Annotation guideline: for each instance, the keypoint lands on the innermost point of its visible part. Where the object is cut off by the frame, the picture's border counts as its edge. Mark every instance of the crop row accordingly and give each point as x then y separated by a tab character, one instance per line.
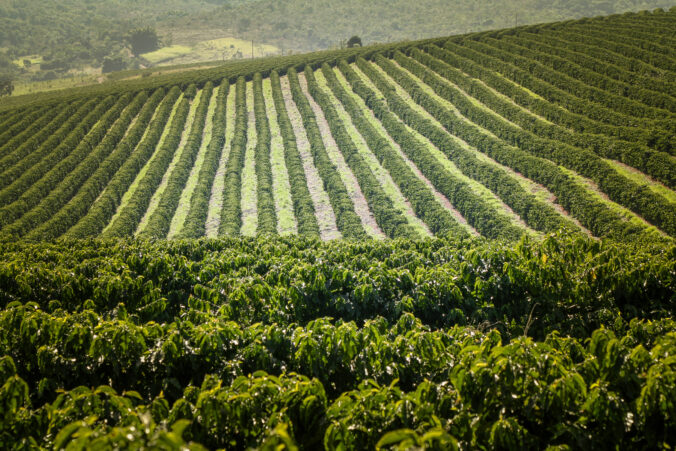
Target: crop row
231	214
485	218
36	183
347	220
26	126
654	208
616	52
103	209
649	133
578	115
125	150
536	214
594	47
300	194
195	222
584	133
26	144
580	84
160	219
390	220
649	51
423	202
605	75
40	145
69	183
267	215
130	215
9	119
58	149
594	215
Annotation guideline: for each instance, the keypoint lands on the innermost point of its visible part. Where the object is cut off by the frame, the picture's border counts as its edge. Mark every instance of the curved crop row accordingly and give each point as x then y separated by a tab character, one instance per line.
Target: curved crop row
303	207
10	118
160	220
69	183
25	126
27	145
584	133
654	208
536	214
125	150
484	218
648	89
267	214
195	223
577	86
612	51
41	145
347	220
390	220
647	50
99	215
651	34
593	215
36	183
578	115
61	147
129	217
231	214
546	55
489	58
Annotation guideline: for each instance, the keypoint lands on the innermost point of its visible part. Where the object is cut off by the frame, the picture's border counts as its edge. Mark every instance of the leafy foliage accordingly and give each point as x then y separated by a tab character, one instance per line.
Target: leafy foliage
227	343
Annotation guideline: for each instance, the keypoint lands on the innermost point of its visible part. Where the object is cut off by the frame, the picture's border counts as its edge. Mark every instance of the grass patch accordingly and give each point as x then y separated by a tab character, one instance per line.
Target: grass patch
184	203
155	200
594	192
286	219
167	53
249	182
642	179
132	188
216	200
221	49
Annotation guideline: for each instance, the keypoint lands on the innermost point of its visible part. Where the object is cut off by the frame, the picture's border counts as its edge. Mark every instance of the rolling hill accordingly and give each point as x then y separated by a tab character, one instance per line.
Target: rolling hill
528	130
454	243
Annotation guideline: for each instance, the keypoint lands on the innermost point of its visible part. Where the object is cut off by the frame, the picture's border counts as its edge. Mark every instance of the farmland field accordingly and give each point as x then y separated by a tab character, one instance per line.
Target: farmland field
463	242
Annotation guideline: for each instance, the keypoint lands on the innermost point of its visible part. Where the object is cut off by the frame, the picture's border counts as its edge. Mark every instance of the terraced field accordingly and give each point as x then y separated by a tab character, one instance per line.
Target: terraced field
526	131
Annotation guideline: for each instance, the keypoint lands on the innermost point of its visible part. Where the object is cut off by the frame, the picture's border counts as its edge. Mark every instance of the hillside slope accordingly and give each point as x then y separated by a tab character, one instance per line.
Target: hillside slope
540	315
503	133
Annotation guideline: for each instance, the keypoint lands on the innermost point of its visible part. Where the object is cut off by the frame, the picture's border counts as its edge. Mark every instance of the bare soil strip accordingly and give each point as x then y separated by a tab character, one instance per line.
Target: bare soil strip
249	180
132	189
286	218
216	199
184	203
538	190
165	179
326	218
354	190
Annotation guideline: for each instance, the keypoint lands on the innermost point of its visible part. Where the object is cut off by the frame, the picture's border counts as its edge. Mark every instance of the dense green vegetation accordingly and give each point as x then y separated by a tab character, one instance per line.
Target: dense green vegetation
506	277
237	343
46	40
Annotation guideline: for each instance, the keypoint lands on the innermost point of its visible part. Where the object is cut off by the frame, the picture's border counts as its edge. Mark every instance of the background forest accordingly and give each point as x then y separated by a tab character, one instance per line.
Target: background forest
47	39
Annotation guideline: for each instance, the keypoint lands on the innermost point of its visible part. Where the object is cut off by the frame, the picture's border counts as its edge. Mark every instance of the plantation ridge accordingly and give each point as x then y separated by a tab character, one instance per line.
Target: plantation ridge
463	242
